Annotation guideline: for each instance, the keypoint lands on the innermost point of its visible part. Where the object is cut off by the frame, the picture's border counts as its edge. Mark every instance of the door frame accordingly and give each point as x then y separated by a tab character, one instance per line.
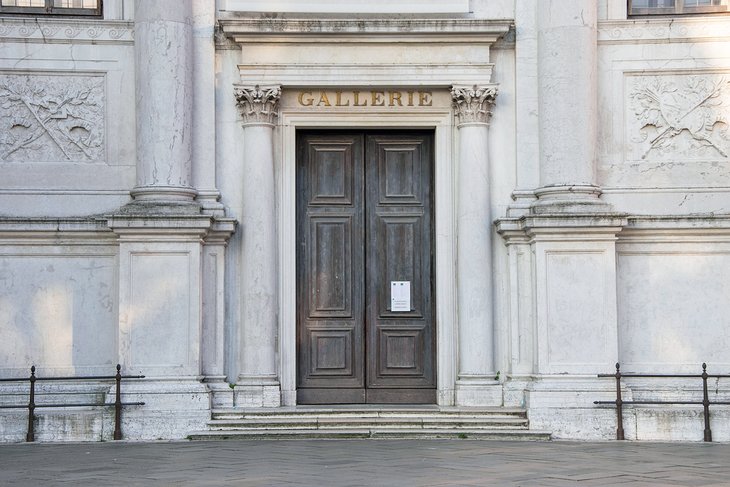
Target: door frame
440	119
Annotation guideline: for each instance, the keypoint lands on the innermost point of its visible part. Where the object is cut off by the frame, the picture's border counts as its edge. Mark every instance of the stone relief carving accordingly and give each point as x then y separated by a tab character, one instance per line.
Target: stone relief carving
258	104
473	104
51	118
679	117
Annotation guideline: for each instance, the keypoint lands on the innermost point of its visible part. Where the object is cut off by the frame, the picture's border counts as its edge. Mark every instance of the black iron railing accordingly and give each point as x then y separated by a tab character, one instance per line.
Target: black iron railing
32	406
620	403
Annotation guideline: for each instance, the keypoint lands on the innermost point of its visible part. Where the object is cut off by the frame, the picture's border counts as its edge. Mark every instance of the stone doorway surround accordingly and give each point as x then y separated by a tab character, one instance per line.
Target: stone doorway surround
448	58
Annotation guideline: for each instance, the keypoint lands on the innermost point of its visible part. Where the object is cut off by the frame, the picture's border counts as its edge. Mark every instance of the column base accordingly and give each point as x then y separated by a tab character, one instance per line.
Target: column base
160	208
579	198
478	392
209	202
523	202
221	392
163	193
257	392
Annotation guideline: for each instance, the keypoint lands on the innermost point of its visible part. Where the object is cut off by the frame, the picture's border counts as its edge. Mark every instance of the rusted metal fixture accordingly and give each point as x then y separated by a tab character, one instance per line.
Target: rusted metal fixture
32	406
619	402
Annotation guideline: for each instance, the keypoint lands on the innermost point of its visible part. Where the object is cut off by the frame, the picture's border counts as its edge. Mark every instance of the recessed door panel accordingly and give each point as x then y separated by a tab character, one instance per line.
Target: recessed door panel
364	220
398	202
330	254
330	259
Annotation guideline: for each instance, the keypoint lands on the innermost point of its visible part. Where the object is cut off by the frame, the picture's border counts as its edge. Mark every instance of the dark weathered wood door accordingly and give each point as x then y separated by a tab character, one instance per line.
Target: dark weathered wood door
364	220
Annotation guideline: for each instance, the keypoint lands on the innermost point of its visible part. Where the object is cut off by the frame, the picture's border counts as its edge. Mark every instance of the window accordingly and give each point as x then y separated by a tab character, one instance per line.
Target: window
672	7
51	7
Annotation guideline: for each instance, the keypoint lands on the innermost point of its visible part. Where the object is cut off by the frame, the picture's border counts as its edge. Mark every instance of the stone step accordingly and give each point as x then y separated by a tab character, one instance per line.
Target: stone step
370	422
234	414
371	410
248	434
340	422
357	418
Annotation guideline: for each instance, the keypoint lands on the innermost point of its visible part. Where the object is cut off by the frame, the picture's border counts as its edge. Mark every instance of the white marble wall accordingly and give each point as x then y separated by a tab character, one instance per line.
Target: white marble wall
58	308
672	300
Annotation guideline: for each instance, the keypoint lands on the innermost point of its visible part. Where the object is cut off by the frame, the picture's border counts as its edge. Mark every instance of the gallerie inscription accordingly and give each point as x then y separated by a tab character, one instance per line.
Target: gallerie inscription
360	98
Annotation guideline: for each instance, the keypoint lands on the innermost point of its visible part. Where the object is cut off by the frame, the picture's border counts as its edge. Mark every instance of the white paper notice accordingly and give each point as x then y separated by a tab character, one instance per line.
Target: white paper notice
400	295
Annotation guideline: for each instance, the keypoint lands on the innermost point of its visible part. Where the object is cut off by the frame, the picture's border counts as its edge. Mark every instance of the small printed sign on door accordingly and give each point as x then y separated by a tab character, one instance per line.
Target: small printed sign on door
400	295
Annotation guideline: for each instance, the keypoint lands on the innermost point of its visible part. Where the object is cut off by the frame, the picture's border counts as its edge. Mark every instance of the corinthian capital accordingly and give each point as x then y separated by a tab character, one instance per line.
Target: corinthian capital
473	104
258	105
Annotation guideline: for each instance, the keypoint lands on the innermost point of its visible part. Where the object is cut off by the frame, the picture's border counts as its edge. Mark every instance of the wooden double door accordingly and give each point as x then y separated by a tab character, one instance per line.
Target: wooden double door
364	226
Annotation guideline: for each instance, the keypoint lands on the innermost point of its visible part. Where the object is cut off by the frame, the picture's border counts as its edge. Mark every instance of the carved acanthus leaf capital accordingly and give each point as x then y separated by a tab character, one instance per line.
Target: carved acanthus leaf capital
258	105
473	104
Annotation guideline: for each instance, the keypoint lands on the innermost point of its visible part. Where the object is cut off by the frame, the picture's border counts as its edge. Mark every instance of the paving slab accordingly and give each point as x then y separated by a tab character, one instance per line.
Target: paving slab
403	463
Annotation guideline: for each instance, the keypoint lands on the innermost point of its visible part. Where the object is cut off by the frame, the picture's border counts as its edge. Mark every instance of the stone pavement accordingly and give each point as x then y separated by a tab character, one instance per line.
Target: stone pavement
366	462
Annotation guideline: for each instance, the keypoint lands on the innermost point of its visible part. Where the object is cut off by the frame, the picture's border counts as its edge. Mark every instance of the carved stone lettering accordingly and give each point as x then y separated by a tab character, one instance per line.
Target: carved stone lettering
51	118
679	117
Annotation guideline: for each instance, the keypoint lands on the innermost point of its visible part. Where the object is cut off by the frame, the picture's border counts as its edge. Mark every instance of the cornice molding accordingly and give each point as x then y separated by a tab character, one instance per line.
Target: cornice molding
487	30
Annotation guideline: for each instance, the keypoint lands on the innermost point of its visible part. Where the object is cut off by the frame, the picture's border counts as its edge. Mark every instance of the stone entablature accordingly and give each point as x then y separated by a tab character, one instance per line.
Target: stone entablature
356	52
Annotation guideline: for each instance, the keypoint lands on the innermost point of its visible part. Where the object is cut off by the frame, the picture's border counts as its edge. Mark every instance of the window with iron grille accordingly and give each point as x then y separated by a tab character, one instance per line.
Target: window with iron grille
51	7
677	7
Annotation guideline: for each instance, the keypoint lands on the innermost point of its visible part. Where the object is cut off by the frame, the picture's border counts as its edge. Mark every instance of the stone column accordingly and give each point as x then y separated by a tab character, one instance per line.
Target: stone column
475	385
164	94
567	77
204	161
258	383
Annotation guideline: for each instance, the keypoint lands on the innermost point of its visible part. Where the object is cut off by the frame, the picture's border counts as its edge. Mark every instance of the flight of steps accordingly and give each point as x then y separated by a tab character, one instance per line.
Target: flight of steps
370	422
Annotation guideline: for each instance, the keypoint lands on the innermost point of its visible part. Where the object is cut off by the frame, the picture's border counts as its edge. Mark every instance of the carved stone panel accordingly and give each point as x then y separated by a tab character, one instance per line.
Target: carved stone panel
678	117
52	118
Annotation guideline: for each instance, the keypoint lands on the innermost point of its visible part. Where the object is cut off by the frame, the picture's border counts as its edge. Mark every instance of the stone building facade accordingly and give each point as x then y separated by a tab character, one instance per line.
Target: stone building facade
224	196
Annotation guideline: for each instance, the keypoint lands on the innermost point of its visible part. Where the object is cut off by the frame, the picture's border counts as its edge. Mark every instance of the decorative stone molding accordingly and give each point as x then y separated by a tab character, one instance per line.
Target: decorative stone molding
473	104
238	27
66	30
663	30
52	118
258	105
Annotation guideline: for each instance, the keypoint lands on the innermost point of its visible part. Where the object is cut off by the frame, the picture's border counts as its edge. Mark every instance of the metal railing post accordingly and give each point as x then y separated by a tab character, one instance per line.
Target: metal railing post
118	405
31	406
619	405
706	403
